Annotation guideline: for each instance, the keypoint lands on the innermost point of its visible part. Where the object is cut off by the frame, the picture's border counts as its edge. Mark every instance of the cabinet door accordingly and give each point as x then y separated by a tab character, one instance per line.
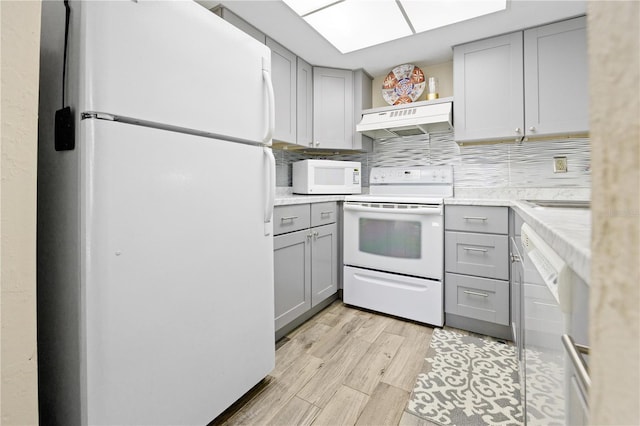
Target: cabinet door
324	262
292	276
488	87
362	85
556	81
305	104
333	125
283	74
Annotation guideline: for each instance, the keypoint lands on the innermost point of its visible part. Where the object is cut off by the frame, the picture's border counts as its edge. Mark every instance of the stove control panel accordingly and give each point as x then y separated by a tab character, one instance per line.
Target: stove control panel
411	175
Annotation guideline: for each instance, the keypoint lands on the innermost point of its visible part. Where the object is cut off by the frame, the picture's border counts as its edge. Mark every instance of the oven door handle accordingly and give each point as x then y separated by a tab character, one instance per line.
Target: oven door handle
426	210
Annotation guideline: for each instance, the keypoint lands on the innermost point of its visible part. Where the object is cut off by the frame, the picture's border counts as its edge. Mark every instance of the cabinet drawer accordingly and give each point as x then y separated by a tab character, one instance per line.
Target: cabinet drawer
492	220
479	298
323	213
484	255
291	218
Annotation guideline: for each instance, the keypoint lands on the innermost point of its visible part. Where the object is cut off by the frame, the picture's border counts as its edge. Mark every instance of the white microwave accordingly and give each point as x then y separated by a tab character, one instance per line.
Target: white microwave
326	177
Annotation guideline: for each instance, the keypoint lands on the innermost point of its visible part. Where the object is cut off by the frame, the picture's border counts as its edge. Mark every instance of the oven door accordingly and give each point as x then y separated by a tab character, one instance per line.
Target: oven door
395	237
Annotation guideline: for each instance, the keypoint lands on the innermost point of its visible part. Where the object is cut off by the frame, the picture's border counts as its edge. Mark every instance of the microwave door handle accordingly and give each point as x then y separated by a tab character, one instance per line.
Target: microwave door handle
426	210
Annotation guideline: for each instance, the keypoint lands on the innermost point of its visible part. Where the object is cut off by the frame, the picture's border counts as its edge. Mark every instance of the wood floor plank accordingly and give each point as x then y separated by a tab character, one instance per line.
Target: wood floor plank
342	333
291	351
278	393
409	419
321	387
397	326
372	328
368	372
385	406
409	359
295	412
343	408
330	318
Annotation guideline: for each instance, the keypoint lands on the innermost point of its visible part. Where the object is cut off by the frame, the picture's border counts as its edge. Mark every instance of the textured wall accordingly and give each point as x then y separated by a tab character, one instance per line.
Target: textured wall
20	30
614	68
496	166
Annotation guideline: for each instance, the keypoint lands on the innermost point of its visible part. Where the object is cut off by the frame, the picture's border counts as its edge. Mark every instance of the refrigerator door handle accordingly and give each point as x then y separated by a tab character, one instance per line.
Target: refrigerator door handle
271	105
270	190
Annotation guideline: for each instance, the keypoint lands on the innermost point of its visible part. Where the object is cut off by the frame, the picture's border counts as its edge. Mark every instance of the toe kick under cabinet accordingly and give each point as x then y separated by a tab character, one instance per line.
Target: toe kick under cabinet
305	248
477	269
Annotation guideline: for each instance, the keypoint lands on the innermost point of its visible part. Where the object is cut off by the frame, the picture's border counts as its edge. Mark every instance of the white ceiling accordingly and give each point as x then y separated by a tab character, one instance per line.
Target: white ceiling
275	19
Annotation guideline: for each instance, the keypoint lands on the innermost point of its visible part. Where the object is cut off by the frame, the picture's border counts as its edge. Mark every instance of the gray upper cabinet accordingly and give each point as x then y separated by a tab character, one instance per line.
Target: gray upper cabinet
284	71
488	79
531	83
362	85
238	22
556	80
333	113
305	104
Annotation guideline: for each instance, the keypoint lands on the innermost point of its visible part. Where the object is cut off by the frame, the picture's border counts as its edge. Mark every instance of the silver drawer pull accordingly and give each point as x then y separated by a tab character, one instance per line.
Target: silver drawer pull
474	293
575	353
284	219
475	249
474	218
325	213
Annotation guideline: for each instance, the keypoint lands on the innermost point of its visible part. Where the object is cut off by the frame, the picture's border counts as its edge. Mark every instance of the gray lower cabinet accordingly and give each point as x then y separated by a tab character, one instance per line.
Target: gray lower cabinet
477	293
292	276
305	261
324	259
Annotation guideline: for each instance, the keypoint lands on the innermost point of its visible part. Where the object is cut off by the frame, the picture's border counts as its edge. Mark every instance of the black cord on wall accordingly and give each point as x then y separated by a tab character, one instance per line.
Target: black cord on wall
64	137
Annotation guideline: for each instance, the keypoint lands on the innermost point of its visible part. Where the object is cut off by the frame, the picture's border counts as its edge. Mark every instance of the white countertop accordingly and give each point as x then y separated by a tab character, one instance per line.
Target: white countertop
566	230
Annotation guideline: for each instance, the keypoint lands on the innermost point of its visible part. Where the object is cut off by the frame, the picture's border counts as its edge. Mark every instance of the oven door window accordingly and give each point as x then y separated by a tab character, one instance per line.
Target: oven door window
390	238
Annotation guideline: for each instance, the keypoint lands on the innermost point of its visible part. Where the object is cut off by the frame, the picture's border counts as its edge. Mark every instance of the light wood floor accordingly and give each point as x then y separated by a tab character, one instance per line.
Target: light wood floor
343	367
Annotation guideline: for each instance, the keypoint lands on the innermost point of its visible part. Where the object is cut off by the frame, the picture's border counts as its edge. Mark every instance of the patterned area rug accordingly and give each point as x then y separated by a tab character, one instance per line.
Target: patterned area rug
468	381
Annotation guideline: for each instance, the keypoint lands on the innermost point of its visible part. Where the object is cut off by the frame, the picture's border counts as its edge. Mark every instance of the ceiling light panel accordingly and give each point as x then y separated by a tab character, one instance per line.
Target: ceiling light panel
429	14
302	7
355	24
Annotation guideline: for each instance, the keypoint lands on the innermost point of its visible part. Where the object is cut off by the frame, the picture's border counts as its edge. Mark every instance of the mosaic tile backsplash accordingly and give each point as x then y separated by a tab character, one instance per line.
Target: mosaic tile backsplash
505	165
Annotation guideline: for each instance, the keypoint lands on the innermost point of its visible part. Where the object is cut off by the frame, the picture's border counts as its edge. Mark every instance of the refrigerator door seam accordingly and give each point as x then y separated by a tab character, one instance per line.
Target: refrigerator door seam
94	115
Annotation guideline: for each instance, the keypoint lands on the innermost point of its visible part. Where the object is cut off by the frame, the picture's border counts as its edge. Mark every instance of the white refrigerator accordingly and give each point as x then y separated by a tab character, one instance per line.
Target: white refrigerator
155	255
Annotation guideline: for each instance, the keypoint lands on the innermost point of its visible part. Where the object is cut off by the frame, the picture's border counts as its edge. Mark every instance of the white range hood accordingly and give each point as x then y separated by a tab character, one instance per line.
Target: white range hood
416	118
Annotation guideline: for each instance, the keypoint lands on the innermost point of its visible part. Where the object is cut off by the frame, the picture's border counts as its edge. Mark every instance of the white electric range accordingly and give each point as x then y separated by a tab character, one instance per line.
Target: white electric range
394	243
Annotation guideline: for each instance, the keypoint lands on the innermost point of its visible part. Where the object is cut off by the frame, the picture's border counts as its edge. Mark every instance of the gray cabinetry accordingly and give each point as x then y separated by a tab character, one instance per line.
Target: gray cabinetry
528	83
306	261
362	85
339	97
292	273
324	263
487	79
284	71
556	82
477	269
333	113
304	104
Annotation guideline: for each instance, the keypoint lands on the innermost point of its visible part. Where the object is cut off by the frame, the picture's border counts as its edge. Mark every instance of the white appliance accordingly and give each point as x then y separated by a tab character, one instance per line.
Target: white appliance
417	118
326	177
394	243
155	264
551	308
